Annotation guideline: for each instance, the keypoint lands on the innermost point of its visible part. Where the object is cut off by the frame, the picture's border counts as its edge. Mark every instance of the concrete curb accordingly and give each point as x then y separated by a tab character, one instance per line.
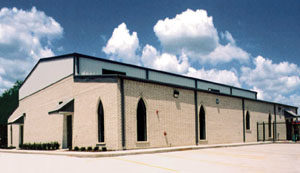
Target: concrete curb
134	152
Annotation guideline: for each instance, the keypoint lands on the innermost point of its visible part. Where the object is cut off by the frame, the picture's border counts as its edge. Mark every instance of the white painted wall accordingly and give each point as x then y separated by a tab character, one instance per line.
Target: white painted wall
45	74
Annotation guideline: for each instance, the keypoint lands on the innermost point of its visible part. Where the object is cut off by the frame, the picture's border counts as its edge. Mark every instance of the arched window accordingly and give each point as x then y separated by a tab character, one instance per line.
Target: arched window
100	122
247	121
141	121
202	123
269	125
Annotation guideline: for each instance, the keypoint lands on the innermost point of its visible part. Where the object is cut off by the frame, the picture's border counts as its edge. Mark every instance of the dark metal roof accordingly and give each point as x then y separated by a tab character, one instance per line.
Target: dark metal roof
19	119
65	106
291	114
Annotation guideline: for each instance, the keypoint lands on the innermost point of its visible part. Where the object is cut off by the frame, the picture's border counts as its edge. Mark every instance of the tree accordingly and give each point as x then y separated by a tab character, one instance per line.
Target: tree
9	101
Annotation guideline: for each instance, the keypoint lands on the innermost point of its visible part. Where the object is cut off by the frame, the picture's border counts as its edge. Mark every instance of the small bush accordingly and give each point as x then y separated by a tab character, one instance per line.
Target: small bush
96	148
82	148
40	146
76	148
90	148
44	146
104	149
55	145
49	146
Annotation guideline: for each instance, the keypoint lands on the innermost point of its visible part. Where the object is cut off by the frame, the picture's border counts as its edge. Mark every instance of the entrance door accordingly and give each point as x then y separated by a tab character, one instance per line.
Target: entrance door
69	131
288	129
21	134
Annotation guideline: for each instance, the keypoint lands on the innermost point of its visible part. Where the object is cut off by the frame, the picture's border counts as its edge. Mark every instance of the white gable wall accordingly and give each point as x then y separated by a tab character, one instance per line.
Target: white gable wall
45	74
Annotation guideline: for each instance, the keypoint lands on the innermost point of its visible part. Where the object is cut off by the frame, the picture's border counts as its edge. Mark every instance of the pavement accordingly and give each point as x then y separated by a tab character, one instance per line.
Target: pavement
274	157
128	152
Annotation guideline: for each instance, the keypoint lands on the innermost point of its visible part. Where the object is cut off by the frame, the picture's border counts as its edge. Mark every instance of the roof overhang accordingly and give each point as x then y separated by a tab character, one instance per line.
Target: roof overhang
290	114
66	107
19	119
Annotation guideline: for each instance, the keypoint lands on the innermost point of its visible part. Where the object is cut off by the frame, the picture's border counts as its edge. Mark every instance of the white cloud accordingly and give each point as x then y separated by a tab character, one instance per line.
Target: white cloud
279	78
193	33
122	45
167	62
226	54
190	31
227	36
228	77
277	82
22	32
25	36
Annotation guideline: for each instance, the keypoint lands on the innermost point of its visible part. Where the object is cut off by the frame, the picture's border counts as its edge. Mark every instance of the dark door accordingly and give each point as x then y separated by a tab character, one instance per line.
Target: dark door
288	130
21	134
69	131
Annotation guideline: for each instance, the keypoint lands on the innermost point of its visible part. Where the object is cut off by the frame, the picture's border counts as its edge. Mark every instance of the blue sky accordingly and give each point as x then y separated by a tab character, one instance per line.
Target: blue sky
250	44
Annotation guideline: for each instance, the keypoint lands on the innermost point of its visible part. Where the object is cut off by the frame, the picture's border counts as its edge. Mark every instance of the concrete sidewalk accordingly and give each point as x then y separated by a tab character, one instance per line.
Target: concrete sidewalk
130	152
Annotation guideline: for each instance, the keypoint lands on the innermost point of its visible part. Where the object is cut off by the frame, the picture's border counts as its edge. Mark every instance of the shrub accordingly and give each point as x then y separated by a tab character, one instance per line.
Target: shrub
11	147
44	146
82	148
76	148
90	148
104	149
40	146
56	145
96	148
49	146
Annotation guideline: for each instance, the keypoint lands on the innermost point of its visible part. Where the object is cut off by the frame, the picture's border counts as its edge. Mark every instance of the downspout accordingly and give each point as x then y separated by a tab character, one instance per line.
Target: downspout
243	106
196	113
275	124
122	113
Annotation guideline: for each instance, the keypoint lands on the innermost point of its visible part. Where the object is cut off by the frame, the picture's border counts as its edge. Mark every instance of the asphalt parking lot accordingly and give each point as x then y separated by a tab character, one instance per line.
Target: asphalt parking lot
254	158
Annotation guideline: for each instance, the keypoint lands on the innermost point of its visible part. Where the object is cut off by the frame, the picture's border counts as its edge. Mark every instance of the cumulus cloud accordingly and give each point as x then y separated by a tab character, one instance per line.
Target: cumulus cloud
227	36
25	36
194	34
122	45
226	54
228	77
189	31
271	80
165	61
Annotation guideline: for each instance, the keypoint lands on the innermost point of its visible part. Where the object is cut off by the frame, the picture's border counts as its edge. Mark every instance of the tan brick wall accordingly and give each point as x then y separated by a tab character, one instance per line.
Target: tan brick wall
176	116
87	96
39	126
259	112
15	140
224	121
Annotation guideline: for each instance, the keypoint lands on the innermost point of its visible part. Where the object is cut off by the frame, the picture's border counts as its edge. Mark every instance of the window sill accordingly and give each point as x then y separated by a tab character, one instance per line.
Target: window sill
142	144
248	131
100	144
203	141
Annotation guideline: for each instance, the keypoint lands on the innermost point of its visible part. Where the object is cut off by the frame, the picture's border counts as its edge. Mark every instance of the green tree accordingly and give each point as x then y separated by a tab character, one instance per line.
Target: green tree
9	101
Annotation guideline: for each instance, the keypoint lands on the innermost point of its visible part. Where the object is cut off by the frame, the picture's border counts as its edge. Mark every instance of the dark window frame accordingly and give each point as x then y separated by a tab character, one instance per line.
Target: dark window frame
100	122
141	119
202	123
269	125
247	120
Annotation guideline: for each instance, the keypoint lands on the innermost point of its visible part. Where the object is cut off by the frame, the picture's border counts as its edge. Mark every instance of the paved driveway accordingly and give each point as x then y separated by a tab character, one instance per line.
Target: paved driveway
255	158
